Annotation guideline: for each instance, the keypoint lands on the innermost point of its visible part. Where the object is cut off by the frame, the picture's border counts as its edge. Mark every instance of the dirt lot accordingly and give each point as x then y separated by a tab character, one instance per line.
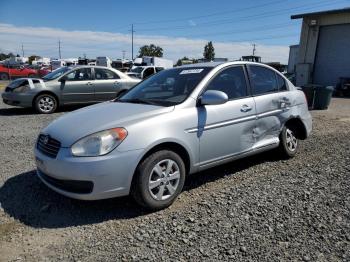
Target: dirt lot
3	84
260	208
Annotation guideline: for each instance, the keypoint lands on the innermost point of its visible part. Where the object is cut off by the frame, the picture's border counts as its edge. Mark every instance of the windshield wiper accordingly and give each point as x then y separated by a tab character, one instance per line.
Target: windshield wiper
137	101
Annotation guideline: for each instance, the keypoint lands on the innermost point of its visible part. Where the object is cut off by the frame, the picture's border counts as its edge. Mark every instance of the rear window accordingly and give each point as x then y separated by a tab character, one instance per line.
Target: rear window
17	83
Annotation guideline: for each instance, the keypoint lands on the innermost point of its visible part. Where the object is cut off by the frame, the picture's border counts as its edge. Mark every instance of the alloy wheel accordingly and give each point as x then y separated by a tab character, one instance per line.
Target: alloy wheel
291	140
46	104
164	179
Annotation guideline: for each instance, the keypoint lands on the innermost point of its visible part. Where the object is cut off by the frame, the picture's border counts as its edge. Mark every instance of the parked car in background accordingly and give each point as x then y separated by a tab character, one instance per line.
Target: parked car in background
68	85
143	72
174	123
41	70
15	71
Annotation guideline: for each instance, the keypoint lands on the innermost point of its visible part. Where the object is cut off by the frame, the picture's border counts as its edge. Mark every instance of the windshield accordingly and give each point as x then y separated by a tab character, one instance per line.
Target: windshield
166	88
56	73
137	69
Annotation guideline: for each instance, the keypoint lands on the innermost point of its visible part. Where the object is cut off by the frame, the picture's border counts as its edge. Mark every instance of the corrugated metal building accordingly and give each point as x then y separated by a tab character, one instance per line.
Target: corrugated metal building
324	48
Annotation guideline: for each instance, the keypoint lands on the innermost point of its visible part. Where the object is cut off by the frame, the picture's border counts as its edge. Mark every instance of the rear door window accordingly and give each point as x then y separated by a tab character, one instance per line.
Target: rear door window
281	82
263	80
105	74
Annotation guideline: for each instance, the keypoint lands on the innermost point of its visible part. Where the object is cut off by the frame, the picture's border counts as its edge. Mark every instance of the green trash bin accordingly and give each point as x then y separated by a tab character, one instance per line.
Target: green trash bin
310	93
323	97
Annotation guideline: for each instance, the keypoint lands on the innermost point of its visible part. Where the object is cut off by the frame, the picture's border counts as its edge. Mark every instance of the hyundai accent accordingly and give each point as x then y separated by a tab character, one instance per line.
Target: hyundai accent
175	123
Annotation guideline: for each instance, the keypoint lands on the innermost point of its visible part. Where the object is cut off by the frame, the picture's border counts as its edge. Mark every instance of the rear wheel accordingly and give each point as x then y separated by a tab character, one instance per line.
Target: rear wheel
159	180
289	143
4	76
45	104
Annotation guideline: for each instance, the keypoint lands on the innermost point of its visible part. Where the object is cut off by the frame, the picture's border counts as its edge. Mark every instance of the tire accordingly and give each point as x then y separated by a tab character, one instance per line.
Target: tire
4	76
45	104
289	144
154	187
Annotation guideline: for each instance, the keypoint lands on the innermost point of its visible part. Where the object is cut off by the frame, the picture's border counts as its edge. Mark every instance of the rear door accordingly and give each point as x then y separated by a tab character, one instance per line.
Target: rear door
227	129
272	103
78	87
107	84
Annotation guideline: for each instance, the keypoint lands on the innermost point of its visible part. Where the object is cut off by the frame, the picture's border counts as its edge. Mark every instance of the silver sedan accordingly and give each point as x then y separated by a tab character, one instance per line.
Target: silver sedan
67	86
177	122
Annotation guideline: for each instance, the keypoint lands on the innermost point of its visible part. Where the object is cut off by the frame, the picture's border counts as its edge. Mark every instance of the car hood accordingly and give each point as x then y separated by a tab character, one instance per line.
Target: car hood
80	123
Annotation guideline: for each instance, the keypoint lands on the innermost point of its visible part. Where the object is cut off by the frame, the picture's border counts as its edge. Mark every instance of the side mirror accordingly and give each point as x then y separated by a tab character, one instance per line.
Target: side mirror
213	97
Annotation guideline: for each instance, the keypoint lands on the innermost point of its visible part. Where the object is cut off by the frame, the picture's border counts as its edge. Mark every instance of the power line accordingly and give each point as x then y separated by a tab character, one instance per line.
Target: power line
243	18
254	29
211	14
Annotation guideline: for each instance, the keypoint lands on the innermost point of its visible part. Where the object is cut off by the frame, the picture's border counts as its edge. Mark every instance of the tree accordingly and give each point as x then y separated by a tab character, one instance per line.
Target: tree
151	50
4	56
209	51
179	62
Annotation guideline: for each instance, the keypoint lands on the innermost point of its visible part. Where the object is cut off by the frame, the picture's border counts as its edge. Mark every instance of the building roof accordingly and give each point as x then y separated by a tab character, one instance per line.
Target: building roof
327	12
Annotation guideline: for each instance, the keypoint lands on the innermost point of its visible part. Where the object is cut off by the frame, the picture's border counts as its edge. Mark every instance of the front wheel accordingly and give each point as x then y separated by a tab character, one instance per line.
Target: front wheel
159	179
45	104
289	143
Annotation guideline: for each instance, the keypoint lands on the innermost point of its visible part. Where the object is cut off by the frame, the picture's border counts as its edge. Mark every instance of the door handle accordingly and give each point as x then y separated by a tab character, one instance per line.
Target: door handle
89	84
245	108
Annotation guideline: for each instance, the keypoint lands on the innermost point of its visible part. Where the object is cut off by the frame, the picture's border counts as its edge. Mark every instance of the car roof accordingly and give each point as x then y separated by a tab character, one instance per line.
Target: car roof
215	64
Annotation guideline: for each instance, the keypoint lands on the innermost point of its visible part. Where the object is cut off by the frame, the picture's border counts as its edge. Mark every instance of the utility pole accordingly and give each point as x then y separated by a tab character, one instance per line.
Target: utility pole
132	41
123	54
59	48
22	50
254	49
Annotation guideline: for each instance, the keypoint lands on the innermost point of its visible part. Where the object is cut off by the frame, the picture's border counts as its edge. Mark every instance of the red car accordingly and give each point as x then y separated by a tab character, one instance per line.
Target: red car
7	72
43	71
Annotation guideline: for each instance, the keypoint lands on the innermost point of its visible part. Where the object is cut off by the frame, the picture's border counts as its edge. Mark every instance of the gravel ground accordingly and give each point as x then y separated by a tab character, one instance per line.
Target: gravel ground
260	208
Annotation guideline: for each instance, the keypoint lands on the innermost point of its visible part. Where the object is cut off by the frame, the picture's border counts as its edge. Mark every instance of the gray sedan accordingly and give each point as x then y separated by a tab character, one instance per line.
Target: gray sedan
176	122
67	85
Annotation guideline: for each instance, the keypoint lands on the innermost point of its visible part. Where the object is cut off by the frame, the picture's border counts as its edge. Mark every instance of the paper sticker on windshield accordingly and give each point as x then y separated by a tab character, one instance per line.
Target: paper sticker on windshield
191	71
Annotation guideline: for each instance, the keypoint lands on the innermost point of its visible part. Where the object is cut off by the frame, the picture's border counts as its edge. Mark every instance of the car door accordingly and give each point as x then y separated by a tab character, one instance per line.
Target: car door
148	72
272	103
226	130
77	86
107	84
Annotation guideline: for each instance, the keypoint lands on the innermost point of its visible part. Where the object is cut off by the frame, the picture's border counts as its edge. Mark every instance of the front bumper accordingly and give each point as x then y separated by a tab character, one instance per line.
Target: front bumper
110	175
18	99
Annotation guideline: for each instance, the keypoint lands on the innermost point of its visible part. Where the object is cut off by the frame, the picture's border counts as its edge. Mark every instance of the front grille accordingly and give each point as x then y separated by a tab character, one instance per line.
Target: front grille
48	146
72	186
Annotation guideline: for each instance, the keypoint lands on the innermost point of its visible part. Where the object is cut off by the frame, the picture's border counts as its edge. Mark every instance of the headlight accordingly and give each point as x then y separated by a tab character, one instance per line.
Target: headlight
100	143
21	89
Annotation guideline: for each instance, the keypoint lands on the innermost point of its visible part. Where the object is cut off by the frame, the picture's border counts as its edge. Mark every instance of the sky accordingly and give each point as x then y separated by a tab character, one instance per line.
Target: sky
181	27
